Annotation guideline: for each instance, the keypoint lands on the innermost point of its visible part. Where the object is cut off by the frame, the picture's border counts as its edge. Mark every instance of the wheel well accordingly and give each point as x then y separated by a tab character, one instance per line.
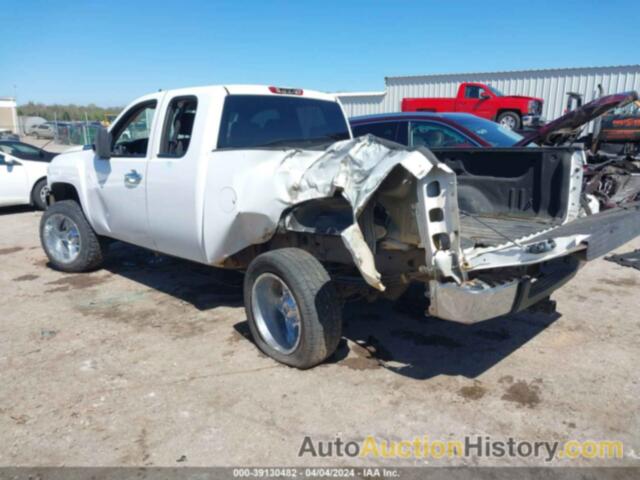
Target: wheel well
36	183
510	110
64	191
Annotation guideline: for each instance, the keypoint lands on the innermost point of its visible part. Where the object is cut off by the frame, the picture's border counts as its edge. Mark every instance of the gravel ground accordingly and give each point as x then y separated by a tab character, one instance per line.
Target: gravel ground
148	362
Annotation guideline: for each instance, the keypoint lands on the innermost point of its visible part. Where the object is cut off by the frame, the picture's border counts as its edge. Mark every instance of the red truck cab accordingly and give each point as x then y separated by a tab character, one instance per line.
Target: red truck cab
511	111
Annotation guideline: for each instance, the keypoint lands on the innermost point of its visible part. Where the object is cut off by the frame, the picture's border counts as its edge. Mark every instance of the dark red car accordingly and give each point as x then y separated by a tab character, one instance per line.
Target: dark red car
435	130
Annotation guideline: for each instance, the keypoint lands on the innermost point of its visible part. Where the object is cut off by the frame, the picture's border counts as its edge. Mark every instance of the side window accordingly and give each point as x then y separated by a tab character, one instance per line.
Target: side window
435	135
25	149
472	91
131	134
178	126
387	130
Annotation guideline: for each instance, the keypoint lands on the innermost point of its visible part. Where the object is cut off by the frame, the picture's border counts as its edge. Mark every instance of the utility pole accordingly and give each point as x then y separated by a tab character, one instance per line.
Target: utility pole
86	126
55	123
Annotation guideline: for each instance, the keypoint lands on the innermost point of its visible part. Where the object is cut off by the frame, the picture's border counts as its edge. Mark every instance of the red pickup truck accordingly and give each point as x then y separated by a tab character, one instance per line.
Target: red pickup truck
511	111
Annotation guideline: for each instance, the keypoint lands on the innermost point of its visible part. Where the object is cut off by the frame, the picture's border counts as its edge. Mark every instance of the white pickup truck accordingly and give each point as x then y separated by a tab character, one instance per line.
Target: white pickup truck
270	181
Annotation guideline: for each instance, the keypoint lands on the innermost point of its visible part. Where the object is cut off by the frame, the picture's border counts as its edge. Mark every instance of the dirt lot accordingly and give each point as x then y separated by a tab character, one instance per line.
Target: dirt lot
147	362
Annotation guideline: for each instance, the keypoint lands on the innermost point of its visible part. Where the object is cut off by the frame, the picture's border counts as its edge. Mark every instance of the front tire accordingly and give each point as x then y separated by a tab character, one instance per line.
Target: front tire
510	120
68	239
39	194
294	311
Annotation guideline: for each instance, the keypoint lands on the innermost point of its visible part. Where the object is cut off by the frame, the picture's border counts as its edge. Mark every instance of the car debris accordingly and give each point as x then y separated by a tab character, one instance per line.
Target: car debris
269	180
630	259
47	333
612	169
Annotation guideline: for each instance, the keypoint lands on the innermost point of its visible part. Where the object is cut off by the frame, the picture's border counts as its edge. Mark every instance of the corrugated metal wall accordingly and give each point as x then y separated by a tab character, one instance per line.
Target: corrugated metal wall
550	85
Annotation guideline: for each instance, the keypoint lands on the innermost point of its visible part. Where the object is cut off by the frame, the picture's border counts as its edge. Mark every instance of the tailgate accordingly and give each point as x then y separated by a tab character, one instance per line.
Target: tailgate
604	231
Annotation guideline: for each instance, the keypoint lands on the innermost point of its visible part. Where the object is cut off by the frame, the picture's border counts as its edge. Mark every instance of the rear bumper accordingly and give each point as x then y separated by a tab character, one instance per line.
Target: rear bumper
490	295
479	300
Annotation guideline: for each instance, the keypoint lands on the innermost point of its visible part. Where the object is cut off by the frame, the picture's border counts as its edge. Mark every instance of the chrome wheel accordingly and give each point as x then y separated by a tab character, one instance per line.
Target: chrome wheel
62	238
276	313
44	194
508	121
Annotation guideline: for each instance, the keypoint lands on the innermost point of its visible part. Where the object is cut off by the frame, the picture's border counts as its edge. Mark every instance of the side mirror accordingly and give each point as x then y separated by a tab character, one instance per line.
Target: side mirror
485	96
102	143
9	162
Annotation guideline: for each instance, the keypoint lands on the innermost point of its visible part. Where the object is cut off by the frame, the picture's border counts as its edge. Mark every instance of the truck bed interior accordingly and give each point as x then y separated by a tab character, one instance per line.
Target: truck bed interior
509	193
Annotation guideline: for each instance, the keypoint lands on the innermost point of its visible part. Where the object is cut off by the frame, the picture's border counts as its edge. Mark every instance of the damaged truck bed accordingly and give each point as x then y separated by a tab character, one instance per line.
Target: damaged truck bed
271	182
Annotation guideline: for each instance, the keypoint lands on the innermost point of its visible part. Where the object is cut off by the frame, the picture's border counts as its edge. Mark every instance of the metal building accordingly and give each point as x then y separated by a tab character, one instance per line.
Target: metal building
551	85
8	115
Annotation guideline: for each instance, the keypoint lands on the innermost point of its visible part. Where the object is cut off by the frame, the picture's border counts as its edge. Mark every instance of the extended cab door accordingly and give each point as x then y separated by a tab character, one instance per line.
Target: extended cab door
476	99
177	173
14	181
121	180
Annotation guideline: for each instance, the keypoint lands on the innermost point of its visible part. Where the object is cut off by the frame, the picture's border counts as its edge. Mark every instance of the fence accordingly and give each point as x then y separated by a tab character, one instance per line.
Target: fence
75	133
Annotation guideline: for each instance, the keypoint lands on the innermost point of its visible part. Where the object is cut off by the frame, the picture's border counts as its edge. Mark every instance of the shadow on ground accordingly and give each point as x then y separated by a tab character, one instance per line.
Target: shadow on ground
18	209
380	336
202	286
423	347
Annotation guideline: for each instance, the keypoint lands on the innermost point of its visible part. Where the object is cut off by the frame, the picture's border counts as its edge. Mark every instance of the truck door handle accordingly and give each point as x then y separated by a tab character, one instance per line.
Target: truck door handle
132	179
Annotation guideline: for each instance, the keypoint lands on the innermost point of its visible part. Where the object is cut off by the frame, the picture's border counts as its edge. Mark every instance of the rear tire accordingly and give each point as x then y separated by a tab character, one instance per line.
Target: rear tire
510	120
294	312
39	194
68	240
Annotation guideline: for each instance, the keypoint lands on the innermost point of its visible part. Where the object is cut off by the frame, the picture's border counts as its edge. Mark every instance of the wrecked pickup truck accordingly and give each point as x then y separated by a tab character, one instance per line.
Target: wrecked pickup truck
270	181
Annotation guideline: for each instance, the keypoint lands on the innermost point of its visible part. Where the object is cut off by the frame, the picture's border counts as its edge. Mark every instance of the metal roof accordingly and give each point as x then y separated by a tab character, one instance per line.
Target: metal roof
543	71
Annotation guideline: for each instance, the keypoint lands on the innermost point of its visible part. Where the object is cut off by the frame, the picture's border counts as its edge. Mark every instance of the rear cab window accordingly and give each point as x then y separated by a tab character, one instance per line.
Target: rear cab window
254	121
178	126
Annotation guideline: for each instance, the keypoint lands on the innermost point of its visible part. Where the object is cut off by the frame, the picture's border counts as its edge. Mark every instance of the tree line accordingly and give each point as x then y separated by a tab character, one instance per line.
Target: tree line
67	112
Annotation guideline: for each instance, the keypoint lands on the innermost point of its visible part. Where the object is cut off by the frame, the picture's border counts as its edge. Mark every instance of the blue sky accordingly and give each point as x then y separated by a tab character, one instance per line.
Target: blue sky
108	52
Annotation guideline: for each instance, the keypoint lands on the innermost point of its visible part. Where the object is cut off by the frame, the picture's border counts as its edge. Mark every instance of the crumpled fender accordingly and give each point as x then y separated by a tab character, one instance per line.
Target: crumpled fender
353	169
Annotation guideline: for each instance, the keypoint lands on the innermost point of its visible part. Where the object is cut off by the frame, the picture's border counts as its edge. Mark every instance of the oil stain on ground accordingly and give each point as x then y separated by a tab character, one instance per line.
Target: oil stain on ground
523	394
78	281
25	278
472	392
7	251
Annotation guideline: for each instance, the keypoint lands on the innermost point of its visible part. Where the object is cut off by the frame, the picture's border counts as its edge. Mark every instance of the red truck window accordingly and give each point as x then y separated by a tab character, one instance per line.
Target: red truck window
472	91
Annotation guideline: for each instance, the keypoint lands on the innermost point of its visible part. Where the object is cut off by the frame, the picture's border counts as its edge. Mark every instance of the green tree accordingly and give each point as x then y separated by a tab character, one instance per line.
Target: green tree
69	112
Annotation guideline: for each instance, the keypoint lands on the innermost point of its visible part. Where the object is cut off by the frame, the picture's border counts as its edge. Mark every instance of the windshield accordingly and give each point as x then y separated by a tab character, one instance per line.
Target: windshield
491	132
495	91
251	121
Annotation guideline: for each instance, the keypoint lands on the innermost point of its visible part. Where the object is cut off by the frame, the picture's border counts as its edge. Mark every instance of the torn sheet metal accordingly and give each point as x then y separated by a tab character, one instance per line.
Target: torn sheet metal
275	180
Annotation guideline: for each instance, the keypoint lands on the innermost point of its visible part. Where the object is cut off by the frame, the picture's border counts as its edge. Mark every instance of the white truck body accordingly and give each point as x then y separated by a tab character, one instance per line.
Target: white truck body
219	204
